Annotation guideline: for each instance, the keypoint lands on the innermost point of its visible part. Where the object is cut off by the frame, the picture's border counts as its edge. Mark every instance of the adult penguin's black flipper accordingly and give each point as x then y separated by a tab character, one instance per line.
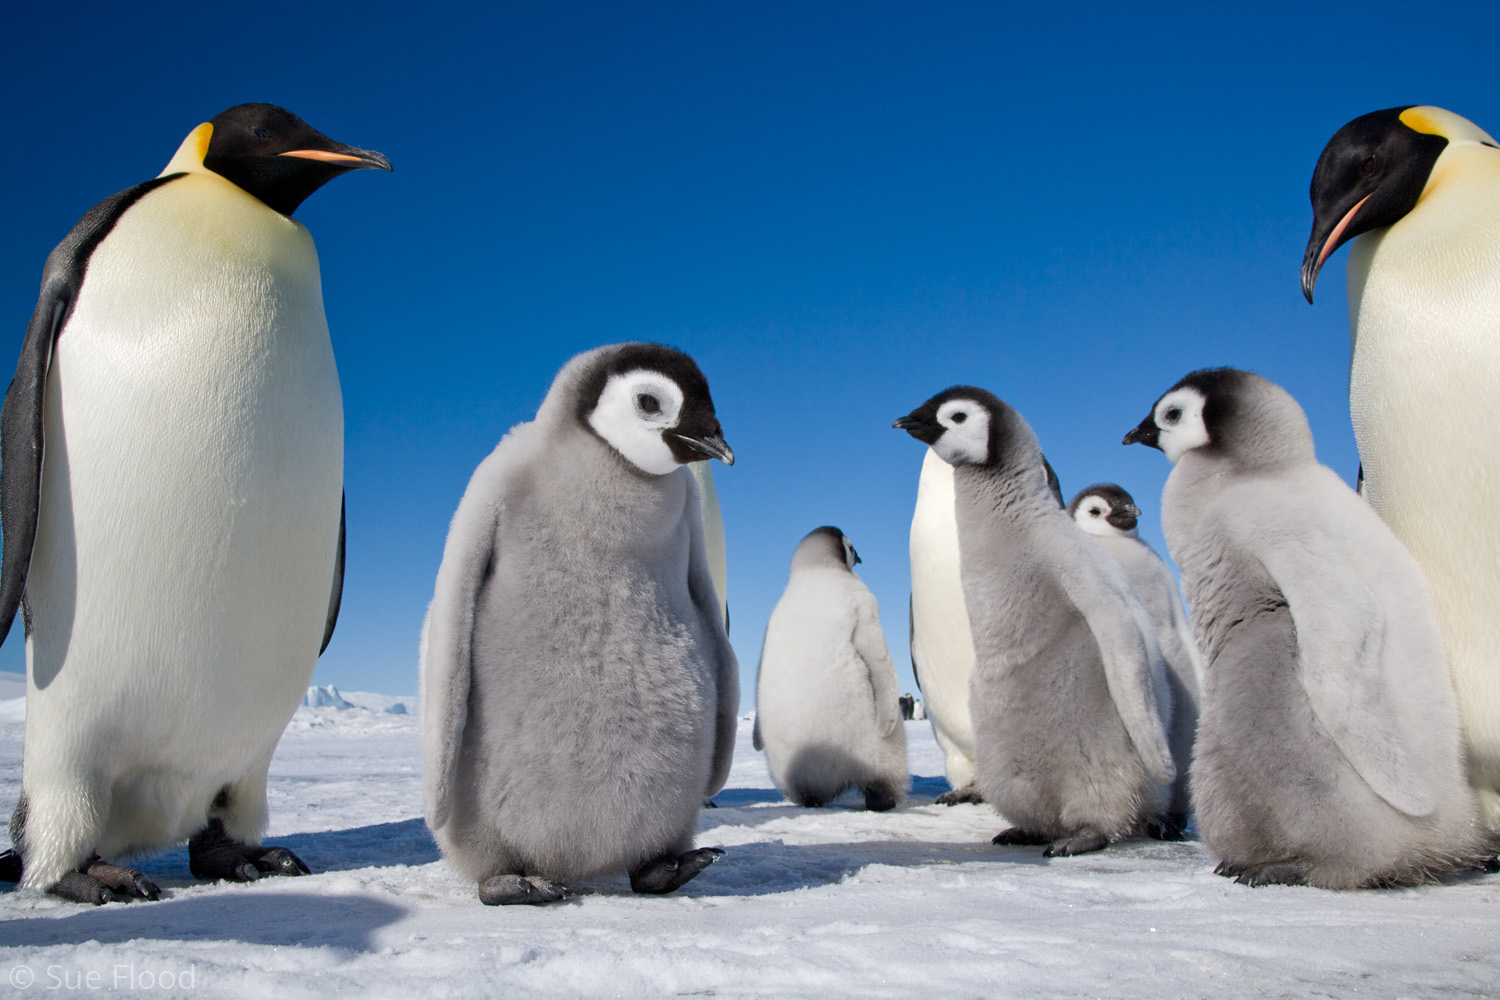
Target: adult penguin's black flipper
337	597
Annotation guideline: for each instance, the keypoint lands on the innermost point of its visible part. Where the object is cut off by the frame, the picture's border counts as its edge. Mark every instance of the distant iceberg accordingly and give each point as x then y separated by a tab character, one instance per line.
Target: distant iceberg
325	697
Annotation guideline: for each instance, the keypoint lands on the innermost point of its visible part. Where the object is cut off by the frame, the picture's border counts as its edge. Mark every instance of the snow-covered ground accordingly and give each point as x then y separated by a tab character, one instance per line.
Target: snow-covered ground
819	903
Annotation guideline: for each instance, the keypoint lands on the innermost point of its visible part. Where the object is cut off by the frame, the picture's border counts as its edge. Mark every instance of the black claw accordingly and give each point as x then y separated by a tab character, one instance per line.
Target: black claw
280	861
125	883
668	873
1280	873
1083	841
955	796
213	855
145	888
10	867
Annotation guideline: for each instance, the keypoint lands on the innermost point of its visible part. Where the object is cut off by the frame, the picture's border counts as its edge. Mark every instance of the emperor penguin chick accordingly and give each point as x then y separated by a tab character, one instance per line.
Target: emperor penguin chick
1328	749
578	689
1108	514
1068	695
171	484
827	709
1417	189
942	651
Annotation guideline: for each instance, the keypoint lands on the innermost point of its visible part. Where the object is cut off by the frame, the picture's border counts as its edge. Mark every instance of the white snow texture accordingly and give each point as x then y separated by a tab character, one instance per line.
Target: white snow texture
831	902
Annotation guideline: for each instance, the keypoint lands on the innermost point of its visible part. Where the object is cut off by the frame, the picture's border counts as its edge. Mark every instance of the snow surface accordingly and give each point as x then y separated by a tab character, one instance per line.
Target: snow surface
822	903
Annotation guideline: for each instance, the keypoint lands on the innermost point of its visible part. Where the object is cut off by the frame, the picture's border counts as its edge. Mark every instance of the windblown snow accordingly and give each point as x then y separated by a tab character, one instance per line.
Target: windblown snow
832	902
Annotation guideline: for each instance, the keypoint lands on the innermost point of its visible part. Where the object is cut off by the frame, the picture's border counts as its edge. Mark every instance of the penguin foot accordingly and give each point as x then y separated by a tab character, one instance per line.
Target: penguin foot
1230	869
1491	865
98	882
1166	828
1084	841
213	854
667	873
1278	873
954	796
878	798
11	869
1016	837
511	890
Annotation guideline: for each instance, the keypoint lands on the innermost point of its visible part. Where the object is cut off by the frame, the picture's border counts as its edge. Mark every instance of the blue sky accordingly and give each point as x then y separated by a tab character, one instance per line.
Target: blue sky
838	209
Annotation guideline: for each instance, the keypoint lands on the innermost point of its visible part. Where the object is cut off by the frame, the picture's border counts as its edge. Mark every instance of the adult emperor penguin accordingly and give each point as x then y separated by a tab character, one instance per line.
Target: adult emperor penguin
1109	514
1068	695
578	688
942	652
1328	749
827	712
1420	189
172	512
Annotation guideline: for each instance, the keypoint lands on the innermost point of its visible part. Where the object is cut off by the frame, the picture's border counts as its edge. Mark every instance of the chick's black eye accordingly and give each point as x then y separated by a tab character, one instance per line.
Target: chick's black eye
960	417
648	403
1172	416
1095	512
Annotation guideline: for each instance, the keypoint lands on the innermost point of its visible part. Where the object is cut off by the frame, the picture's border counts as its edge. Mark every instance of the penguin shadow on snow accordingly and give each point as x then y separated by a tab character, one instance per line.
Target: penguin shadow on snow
771	804
404	843
295	919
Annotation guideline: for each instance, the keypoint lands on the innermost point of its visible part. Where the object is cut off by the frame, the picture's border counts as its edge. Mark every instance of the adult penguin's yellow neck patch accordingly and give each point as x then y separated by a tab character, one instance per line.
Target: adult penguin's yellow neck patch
1422	120
190	154
1457	129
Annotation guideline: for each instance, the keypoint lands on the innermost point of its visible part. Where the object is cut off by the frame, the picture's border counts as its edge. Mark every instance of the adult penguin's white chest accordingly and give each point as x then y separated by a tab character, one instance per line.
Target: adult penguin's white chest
191	486
941	639
1424	298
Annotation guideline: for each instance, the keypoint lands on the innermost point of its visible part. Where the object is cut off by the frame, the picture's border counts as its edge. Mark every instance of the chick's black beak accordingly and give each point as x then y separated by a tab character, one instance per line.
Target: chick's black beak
712	446
1146	432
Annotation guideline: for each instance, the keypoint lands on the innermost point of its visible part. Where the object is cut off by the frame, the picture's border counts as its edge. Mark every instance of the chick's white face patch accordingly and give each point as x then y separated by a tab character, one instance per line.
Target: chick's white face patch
1092	515
1179	417
966	433
633	411
850	556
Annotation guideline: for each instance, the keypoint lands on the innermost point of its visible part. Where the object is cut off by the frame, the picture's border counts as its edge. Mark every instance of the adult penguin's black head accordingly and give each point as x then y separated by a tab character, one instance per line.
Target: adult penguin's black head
278	157
1371	174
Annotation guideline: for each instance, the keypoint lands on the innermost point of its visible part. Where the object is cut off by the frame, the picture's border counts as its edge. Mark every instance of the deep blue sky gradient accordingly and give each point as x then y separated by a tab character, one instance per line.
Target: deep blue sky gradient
838	209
